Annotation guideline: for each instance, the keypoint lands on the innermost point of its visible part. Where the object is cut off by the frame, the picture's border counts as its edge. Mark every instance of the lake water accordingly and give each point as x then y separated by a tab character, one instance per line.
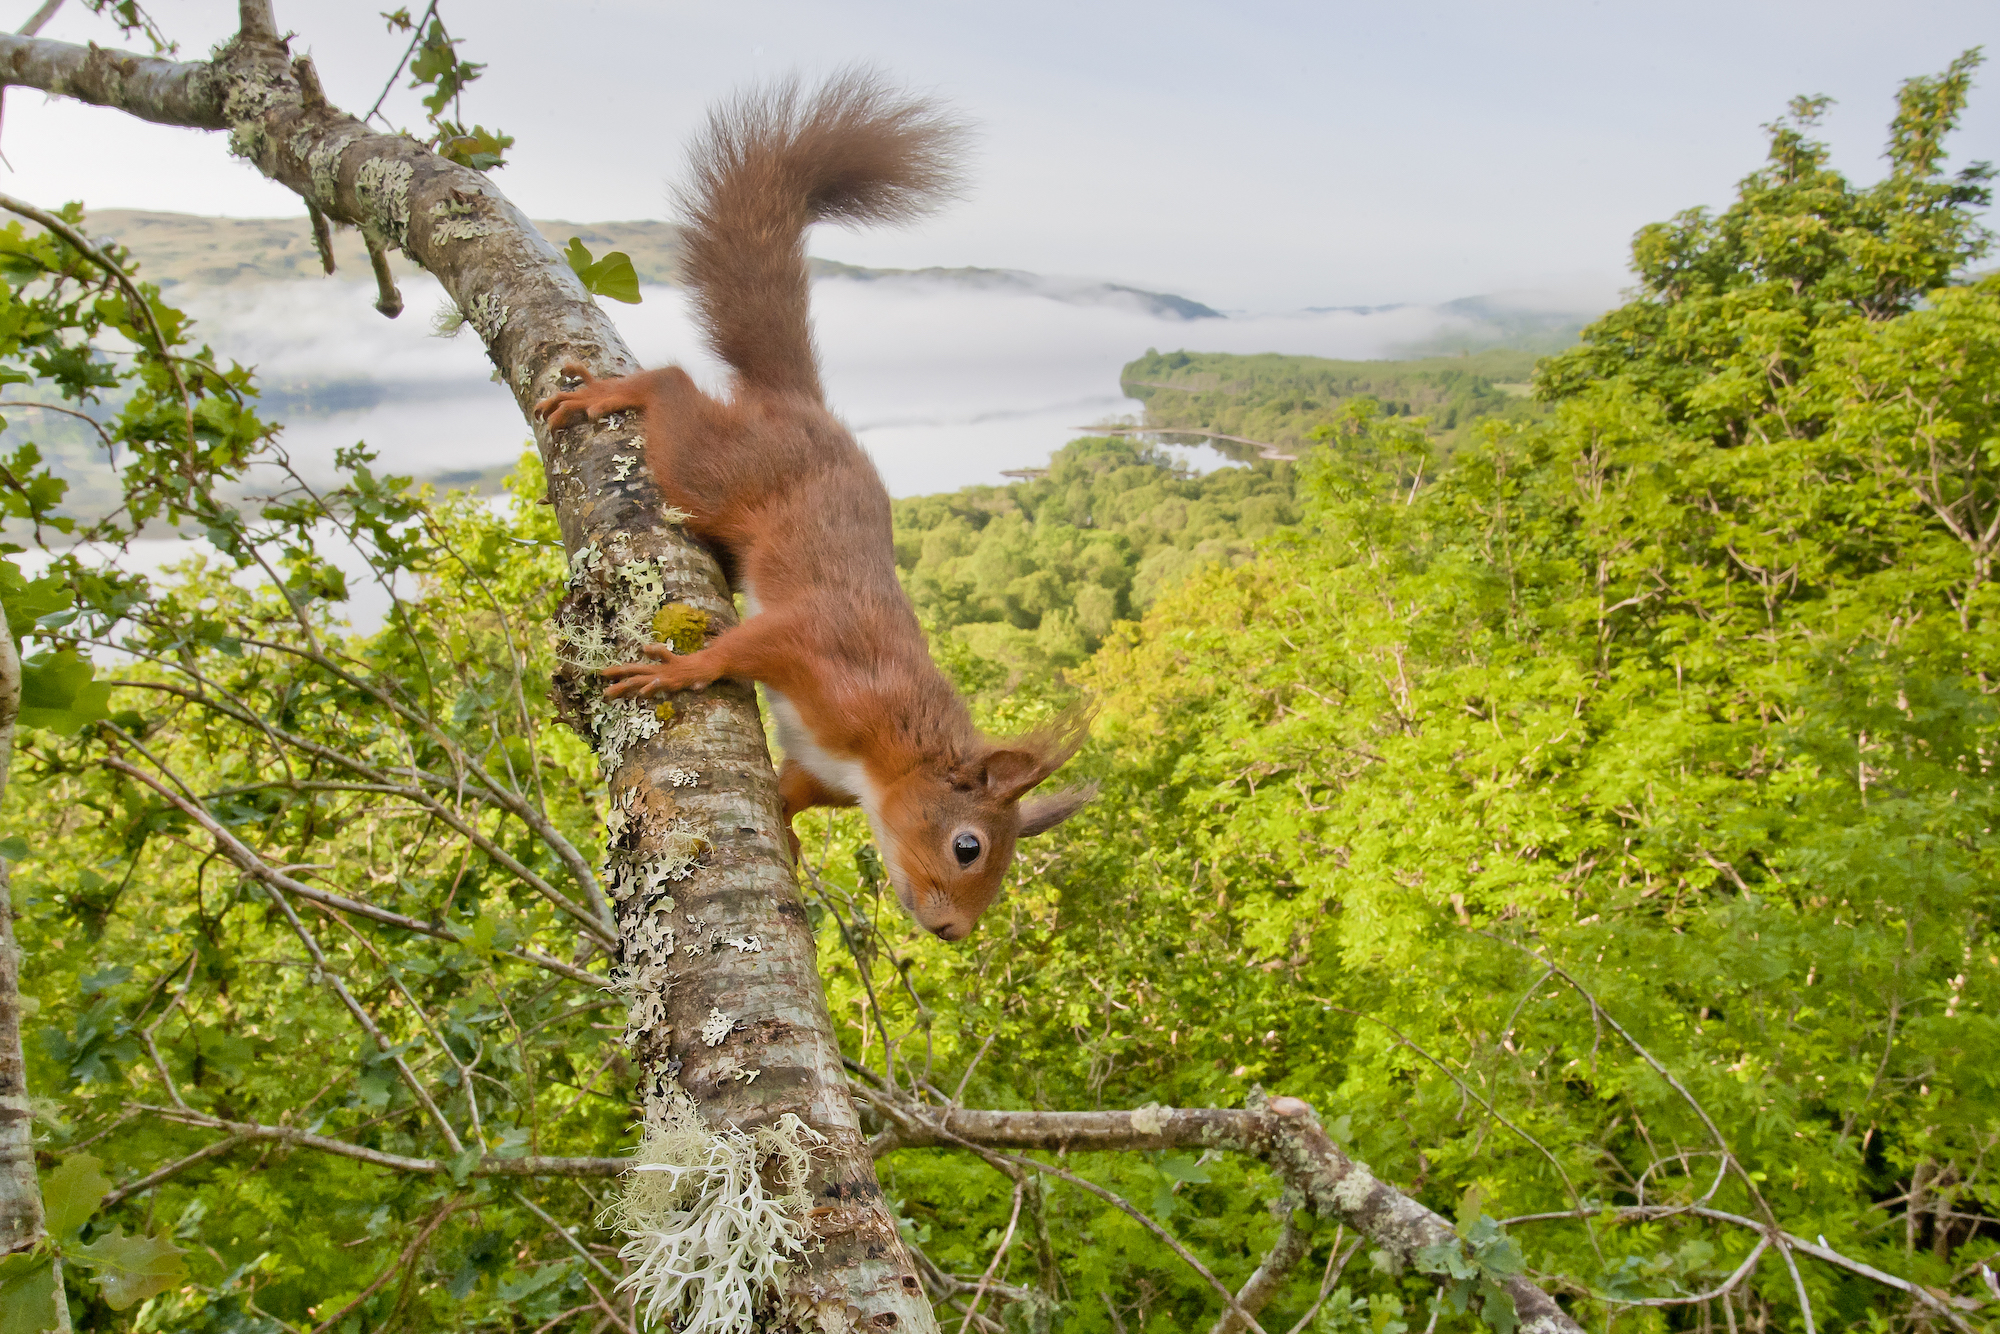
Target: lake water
943	385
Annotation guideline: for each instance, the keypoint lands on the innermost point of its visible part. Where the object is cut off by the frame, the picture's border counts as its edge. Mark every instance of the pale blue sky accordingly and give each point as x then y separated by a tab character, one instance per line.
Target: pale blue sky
1253	156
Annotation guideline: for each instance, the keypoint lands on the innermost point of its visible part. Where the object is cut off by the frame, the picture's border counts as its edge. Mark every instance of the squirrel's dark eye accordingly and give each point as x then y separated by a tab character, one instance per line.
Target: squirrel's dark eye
966	848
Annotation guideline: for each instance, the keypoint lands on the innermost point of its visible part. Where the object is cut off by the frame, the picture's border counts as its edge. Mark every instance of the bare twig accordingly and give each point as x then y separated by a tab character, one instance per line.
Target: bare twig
395	1267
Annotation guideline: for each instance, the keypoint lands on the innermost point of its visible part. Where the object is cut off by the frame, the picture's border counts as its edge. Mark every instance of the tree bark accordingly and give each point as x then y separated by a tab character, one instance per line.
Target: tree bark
20	1193
699	786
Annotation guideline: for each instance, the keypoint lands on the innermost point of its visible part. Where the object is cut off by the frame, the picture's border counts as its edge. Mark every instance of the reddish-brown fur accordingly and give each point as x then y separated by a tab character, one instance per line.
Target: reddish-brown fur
797	514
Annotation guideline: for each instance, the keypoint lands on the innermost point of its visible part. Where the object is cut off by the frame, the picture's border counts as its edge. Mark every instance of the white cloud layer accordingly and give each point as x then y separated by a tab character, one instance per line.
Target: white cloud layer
945	386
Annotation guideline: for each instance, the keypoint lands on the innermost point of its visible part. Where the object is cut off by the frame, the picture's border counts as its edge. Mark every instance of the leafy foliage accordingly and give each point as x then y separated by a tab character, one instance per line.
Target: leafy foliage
434	63
1034	575
1592	815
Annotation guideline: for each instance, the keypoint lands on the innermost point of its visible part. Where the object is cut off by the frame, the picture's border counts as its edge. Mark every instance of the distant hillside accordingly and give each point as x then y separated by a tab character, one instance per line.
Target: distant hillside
1279	399
176	248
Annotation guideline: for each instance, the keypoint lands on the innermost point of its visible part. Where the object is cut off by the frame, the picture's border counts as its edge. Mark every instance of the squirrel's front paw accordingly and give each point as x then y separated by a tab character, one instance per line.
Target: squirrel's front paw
645	679
594	398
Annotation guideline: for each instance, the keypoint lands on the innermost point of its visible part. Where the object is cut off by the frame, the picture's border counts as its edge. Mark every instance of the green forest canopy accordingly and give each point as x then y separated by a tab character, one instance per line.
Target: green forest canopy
1596	815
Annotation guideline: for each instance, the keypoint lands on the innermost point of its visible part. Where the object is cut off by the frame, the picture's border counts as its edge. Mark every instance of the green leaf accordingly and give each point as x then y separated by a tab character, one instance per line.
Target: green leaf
131	1268
27	1294
612	276
15	849
58	694
532	1282
71	1193
461	1166
27	601
1184	1169
478	148
1496	1308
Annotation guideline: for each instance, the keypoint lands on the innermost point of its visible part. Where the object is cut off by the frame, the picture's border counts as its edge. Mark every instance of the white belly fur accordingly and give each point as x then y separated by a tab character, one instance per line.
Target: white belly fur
839	774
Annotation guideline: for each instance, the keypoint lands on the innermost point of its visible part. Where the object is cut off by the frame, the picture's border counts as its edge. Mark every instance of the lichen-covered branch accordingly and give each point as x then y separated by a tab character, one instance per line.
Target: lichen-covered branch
715	955
168	92
1283	1132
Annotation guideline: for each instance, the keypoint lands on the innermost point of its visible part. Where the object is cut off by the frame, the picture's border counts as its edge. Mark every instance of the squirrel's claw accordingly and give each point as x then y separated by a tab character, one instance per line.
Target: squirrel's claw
559	409
646	679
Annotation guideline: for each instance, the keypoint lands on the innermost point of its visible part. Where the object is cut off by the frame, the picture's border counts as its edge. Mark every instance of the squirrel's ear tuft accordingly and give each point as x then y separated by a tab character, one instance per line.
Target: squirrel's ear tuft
1041	814
1009	772
1013	767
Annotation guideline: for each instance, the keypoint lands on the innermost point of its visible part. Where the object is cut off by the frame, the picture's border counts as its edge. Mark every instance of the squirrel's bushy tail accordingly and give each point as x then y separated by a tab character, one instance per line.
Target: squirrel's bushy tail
769	165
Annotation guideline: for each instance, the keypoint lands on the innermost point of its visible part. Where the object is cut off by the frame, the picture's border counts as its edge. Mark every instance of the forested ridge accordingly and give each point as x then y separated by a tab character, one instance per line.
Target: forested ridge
1280	400
1586	802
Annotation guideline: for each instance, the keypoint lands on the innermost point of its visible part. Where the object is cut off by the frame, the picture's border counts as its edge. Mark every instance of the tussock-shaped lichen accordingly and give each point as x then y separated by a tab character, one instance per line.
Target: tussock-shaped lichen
586	636
707	1241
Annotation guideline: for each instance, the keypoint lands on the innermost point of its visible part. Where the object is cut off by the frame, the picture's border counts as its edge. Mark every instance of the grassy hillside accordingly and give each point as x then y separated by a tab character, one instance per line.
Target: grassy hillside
1279	399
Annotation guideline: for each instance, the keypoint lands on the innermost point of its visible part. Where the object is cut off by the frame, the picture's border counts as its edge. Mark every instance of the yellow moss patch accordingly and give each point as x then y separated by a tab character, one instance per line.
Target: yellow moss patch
680	626
665	713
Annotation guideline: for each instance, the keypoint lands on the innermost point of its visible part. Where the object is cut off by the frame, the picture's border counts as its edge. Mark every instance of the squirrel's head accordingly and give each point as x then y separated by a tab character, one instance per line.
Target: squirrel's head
948	829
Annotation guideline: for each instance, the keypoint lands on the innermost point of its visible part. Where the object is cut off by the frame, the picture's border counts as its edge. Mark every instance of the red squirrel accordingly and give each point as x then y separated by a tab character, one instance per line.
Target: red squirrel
798	516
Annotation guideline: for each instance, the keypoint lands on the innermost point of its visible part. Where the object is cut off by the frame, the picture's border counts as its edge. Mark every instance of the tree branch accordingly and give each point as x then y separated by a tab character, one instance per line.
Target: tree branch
166	92
1283	1132
534	316
264	873
487	1166
1294	1240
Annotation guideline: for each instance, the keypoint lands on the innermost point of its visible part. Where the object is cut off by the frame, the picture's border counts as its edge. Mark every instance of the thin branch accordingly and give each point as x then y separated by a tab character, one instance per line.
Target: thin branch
141	307
38	18
999	1254
159	1174
569	1240
395	1267
1294	1240
109	441
487	1166
256	867
1283	1132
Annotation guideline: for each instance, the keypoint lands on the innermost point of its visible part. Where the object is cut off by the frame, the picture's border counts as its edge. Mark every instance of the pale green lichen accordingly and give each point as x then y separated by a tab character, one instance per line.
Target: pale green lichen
584	639
488	314
1352	1190
618	725
716	1028
251	93
708	1241
460	229
447	321
458	220
383	189
323	167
